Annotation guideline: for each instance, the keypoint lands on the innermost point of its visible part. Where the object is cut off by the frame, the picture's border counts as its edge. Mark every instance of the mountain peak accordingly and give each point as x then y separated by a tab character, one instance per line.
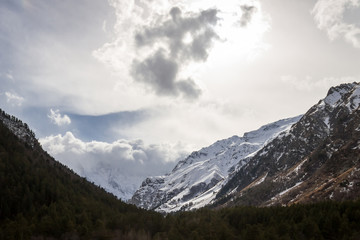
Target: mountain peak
309	162
340	93
196	180
302	159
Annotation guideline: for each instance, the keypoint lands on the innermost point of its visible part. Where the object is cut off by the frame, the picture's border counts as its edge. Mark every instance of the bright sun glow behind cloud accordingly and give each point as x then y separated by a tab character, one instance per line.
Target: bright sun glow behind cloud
236	38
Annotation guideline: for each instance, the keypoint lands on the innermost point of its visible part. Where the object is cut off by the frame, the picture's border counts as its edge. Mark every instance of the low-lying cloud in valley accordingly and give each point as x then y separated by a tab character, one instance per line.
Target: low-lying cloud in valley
126	163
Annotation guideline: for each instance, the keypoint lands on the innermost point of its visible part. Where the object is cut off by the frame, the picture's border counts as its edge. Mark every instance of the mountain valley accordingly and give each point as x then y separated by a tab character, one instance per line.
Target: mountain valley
309	163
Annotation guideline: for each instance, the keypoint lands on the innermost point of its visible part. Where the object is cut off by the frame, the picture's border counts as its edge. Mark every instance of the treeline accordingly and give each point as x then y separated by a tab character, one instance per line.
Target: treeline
7	118
42	199
327	220
5	115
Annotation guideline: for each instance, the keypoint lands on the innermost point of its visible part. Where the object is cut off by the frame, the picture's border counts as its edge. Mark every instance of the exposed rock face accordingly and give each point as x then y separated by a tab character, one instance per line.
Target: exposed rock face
196	180
318	159
304	159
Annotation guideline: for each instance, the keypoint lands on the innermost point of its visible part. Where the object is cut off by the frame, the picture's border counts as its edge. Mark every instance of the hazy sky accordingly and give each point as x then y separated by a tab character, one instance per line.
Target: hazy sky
125	79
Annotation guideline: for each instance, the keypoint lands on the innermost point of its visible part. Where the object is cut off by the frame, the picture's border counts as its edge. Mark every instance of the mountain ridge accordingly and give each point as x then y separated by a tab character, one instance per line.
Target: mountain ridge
286	168
299	164
20	129
195	181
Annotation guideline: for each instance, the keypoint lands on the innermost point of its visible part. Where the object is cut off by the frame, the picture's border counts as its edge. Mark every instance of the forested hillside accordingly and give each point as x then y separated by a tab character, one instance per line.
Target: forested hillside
41	197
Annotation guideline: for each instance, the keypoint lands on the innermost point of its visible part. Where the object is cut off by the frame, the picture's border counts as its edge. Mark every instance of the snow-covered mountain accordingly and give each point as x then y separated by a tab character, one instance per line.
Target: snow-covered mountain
196	180
303	159
112	181
308	158
317	159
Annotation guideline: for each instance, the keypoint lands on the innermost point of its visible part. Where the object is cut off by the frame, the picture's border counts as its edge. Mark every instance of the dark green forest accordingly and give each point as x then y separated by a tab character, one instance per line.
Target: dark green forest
43	199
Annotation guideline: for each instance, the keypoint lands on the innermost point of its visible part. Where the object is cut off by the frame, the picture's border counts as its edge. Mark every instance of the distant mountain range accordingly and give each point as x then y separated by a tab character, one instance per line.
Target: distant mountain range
308	158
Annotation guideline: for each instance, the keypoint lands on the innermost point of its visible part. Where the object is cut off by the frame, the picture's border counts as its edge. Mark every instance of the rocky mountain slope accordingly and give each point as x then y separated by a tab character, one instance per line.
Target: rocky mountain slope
304	159
196	180
318	159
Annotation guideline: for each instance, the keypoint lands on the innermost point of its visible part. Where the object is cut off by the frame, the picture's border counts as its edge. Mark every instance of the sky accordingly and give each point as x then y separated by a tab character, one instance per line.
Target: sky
137	85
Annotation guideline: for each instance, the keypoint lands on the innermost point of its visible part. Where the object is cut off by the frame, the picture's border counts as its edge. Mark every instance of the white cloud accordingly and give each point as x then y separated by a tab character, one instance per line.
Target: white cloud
197	124
103	162
57	119
117	154
14	99
329	16
152	21
310	84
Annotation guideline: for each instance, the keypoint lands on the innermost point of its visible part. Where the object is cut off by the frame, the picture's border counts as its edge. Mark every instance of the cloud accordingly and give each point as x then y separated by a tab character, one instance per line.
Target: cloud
47	52
196	124
329	16
310	84
247	13
118	154
57	119
160	74
14	99
172	32
181	35
124	159
178	40
188	88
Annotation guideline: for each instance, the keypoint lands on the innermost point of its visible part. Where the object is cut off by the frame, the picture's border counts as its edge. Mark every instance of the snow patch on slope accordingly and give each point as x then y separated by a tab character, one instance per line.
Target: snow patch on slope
114	182
196	180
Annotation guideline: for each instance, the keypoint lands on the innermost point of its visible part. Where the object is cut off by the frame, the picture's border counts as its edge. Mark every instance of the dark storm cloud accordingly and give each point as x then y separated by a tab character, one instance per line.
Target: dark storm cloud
247	13
188	88
182	39
172	32
198	49
159	72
